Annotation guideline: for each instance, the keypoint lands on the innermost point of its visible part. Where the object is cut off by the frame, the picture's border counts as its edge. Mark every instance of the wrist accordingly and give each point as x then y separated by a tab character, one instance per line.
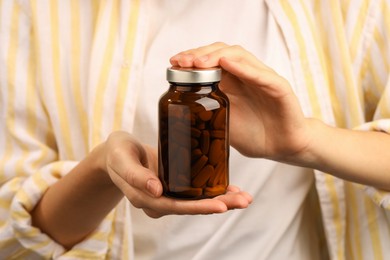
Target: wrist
310	155
97	161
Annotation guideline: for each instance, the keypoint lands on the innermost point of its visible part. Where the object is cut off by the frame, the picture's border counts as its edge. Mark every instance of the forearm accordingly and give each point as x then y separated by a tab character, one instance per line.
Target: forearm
74	206
357	156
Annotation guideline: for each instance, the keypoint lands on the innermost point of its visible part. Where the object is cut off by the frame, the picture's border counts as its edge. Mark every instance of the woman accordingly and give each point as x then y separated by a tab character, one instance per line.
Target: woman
76	72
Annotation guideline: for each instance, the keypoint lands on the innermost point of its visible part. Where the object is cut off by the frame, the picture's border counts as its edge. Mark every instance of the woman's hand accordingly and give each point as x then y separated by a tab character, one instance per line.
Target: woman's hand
133	169
266	118
75	205
267	121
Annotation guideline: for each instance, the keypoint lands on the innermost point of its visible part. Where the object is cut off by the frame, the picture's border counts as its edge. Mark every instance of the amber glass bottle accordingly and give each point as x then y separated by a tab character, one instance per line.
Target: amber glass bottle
194	134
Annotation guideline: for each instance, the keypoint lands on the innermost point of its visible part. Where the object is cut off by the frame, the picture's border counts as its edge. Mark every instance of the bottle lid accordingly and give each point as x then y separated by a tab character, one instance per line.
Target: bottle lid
193	75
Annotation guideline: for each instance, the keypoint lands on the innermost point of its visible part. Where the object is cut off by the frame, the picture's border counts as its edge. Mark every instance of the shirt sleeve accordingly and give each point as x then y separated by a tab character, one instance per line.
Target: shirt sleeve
381	123
29	158
375	74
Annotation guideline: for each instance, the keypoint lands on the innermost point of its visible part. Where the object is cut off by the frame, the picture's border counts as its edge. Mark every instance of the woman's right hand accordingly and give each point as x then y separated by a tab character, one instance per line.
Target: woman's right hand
132	167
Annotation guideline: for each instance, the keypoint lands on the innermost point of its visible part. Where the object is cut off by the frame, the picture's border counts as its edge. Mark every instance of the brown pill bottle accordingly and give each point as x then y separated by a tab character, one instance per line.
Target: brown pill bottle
193	134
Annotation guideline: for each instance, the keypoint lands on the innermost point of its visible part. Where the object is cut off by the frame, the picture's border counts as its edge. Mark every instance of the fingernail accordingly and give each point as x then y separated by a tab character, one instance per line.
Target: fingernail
153	187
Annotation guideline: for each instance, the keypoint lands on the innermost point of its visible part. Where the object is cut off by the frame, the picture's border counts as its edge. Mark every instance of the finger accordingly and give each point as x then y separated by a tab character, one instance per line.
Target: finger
236	200
234	52
220	204
232	188
258	74
235	189
133	173
169	206
186	58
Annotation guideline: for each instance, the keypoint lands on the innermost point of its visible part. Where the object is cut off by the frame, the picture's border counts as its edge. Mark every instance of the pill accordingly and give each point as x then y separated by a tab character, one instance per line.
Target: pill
187	191
205	115
217	134
220	119
198	165
216	152
205	142
214	191
203	176
201	125
196	154
195	132
213	180
194	143
220	173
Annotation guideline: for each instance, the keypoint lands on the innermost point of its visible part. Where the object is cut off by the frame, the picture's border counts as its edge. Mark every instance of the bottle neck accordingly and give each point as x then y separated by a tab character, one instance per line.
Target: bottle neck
195	87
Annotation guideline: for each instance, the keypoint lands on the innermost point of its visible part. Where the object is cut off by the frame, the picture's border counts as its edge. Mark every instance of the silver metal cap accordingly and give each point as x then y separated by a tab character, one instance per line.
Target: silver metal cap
193	75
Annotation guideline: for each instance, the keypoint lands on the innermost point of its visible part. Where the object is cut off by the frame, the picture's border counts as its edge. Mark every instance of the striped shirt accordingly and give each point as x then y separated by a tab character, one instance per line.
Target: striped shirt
339	52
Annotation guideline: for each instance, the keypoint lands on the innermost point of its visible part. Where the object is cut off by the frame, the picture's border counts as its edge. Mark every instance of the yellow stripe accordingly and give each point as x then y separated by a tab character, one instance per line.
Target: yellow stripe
303	57
382	45
49	139
113	231
79	253
31	233
31	122
126	252
23	254
31	98
353	237
100	236
7	242
11	66
57	168
11	187
41	245
55	43
386	16
345	7
369	64
104	74
329	75
374	92
319	50
337	219
5	203
373	228
359	26
40	182
378	198
352	96
14	184
76	57
384	106
378	85
95	10
25	198
125	73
